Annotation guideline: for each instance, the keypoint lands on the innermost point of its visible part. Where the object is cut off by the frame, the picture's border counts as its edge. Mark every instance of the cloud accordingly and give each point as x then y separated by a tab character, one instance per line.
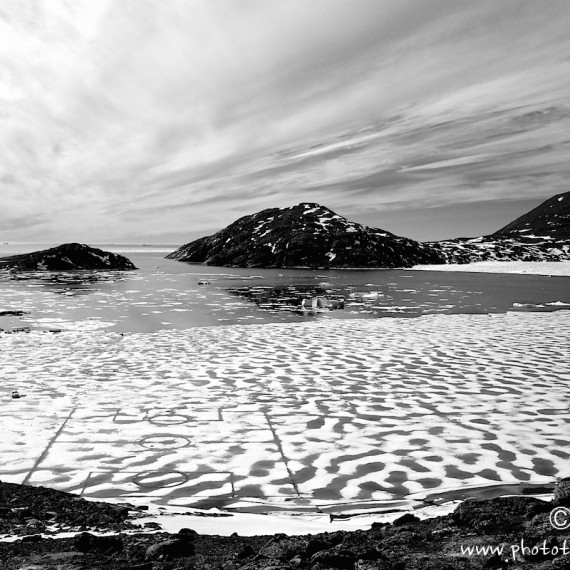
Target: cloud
123	117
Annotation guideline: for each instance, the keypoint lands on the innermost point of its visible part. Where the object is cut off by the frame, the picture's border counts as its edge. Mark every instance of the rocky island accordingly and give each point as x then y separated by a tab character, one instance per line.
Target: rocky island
67	257
305	235
311	235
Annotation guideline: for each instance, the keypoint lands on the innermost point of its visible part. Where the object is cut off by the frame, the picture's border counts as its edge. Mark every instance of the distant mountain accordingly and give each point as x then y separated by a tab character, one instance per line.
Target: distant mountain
306	235
550	220
543	234
67	257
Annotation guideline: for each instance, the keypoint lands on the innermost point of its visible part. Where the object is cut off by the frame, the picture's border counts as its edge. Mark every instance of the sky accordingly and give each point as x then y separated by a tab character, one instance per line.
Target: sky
160	121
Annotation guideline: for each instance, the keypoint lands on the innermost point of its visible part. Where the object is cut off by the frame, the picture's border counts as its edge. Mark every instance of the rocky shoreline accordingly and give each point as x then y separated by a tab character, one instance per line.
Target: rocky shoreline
508	532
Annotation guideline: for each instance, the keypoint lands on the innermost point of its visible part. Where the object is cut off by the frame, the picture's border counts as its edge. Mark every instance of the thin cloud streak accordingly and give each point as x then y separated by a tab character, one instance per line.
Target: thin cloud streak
143	118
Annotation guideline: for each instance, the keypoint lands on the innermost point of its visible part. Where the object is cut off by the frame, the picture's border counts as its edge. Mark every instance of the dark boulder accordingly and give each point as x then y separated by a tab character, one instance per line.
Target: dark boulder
406	519
87	542
181	546
170	549
500	515
562	492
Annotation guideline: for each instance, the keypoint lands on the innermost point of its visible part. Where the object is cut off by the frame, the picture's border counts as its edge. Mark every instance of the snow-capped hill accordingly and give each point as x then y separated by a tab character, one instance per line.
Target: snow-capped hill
305	235
543	234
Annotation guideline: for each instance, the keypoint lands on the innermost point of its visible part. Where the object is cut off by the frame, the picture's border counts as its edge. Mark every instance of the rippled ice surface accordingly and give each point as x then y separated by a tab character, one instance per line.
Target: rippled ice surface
325	413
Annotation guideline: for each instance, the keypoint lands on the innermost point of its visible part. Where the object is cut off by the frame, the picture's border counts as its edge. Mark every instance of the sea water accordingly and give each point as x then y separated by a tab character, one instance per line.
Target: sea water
165	294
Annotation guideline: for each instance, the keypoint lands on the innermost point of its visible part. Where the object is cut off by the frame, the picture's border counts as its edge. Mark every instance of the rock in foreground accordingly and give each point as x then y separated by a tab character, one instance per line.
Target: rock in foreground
306	235
508	532
67	257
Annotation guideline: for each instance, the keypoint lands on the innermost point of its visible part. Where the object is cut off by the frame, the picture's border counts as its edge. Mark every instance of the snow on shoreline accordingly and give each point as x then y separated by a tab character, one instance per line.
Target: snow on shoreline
221	523
215	522
555	268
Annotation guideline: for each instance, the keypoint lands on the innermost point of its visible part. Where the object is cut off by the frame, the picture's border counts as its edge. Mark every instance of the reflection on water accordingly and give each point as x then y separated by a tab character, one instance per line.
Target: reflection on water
166	294
301	299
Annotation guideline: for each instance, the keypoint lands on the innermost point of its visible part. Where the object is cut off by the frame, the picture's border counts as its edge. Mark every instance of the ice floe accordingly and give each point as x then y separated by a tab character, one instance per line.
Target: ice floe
295	415
561	268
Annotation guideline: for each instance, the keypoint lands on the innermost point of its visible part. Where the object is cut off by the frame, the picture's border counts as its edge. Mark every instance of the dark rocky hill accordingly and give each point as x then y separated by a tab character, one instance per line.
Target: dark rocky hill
67	257
543	234
550	220
310	235
306	235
